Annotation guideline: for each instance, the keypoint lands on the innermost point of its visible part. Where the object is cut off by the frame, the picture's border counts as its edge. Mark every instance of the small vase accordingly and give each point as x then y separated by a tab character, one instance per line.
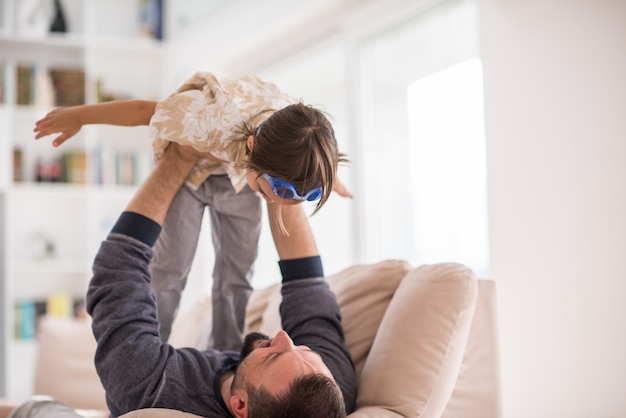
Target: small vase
58	23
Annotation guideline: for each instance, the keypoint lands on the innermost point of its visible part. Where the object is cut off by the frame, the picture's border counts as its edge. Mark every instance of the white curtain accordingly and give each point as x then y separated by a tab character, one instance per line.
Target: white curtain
424	182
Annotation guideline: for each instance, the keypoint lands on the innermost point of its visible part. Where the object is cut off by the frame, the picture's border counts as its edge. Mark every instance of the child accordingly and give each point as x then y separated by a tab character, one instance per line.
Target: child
257	139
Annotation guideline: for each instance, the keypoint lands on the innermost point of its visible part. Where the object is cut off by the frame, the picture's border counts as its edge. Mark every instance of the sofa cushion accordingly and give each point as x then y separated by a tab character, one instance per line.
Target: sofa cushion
363	293
65	368
417	353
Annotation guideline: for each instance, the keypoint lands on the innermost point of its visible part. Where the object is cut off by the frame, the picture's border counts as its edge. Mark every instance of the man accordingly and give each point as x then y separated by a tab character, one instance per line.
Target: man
304	371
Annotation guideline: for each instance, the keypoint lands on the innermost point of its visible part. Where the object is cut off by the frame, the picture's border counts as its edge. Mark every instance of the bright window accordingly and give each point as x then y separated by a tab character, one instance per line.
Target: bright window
421	155
448	170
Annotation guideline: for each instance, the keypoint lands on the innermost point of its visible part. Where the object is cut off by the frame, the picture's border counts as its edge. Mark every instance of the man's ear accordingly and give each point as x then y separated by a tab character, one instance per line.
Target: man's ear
238	406
250	142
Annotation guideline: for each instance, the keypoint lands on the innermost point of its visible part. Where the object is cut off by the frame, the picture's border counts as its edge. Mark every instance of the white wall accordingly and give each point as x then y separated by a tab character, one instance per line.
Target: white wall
555	80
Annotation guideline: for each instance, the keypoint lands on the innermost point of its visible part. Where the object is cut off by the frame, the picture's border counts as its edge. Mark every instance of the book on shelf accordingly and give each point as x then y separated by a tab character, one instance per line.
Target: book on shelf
59	305
25	85
3	77
48	171
151	18
18	165
69	86
70	167
28	320
120	167
102	166
74	167
28	312
125	164
38	85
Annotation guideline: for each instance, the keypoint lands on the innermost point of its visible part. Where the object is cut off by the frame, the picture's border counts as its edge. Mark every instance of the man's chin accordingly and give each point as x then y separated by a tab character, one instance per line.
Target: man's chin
250	343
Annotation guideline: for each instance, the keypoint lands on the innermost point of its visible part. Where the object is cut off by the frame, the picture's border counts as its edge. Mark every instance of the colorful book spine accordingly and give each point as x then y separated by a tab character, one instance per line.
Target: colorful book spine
46	87
28	312
25	88
3	78
25	320
60	305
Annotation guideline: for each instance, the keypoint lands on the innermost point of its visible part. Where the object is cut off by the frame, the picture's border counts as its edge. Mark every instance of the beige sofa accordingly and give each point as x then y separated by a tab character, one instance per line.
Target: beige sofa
423	340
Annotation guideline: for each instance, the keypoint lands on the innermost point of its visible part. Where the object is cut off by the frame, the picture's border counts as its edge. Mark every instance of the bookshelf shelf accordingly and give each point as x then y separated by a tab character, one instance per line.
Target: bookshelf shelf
52	224
28	347
47	266
120	43
37	48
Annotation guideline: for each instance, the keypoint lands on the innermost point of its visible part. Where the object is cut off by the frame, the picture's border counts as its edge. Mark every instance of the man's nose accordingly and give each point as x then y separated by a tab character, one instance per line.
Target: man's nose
282	341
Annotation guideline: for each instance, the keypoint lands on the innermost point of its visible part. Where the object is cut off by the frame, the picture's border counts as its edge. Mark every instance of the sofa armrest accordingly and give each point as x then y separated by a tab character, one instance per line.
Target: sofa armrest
477	391
416	356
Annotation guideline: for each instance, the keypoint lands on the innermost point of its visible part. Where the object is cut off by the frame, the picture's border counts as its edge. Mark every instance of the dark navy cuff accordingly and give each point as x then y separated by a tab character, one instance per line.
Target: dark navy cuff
137	226
301	268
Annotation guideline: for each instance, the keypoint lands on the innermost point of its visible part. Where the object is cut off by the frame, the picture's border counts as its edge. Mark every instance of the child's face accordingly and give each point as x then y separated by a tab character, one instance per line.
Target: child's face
259	184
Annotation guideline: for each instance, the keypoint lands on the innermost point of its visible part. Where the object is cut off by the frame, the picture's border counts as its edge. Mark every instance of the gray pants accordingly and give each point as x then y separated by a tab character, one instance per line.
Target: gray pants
235	230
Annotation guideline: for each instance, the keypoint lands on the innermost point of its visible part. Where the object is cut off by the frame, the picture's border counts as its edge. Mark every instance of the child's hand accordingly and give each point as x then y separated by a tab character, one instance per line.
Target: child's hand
63	120
341	190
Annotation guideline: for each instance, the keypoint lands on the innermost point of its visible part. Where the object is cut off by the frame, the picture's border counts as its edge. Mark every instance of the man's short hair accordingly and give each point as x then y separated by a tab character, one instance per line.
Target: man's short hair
309	396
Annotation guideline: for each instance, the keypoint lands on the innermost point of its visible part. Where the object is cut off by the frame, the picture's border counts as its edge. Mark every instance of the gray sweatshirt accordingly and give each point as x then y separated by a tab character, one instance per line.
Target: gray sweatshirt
138	370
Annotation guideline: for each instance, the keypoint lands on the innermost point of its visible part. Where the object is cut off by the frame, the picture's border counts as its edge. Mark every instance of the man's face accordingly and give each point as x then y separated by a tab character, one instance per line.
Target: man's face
275	363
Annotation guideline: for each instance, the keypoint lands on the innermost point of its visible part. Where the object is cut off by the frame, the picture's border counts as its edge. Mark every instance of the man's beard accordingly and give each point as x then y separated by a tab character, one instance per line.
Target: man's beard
248	343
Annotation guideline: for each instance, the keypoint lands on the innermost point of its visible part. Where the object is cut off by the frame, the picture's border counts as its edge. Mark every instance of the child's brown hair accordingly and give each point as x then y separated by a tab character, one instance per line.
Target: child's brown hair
297	144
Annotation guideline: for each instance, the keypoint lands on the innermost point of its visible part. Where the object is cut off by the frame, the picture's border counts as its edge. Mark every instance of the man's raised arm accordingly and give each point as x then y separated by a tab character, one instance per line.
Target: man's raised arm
154	196
309	311
130	357
298	240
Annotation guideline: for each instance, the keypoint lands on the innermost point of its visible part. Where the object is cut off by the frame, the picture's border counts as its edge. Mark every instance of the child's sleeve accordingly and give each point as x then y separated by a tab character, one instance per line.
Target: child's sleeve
197	114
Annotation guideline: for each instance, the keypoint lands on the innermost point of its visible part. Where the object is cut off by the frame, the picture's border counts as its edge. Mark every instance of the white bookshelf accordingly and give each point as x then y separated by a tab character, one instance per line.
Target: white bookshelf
104	40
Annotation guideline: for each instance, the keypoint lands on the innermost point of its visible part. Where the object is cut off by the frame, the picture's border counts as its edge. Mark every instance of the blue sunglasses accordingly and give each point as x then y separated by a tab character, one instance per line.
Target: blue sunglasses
287	190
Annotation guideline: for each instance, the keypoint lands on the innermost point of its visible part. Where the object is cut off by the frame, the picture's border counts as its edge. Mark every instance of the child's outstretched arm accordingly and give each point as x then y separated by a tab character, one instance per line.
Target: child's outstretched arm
67	121
340	189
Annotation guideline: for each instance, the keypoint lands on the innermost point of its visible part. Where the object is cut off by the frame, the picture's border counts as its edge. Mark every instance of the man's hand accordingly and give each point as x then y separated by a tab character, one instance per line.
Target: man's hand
154	196
186	154
299	242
